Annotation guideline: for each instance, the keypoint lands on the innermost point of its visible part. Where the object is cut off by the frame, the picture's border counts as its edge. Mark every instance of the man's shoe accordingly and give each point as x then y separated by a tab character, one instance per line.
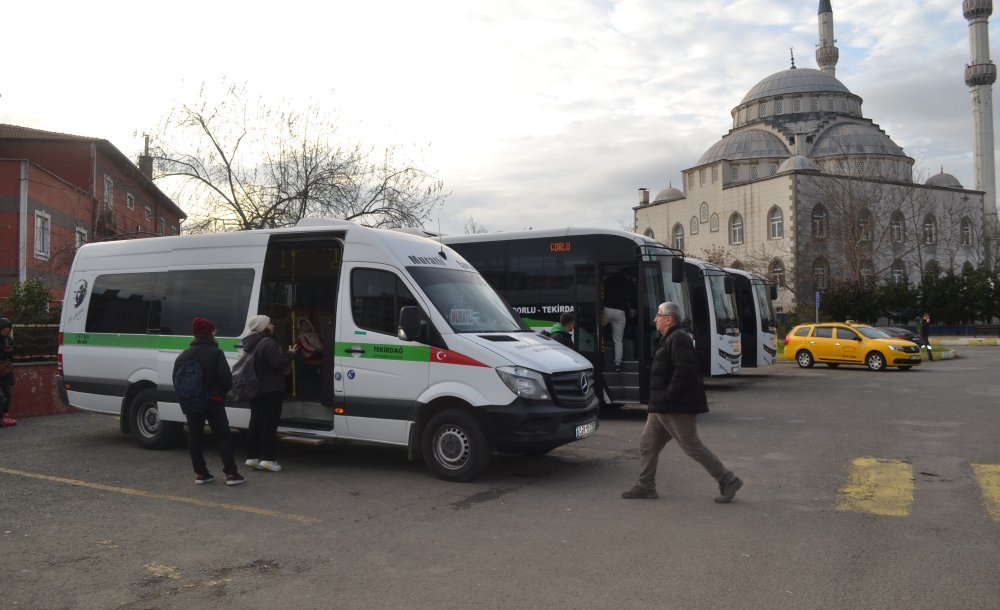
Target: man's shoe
253	464
268	465
640	492
727	491
202	478
235	479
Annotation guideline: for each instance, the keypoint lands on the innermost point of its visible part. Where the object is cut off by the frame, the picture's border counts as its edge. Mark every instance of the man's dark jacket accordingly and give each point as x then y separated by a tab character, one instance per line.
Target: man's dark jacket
214	367
675	384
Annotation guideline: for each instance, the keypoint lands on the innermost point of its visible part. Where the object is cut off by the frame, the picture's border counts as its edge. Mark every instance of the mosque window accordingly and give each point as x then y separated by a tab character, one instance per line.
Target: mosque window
679	236
715	174
703	211
778	272
777	106
859	168
691	180
796	105
772	169
775	223
694	225
761	110
843	104
814	104
753	172
734	173
736	229
896	227
649	233
865	226
897	272
821	271
930	230
701	177
830	104
819	221
966	231
866	272
713	226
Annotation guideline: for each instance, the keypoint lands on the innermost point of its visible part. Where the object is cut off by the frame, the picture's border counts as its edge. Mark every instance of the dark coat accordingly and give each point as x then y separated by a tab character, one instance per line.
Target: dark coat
675	384
559	333
215	368
270	363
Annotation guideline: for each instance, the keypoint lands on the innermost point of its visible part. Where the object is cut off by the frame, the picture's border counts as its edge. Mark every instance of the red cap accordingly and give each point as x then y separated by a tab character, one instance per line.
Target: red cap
201	327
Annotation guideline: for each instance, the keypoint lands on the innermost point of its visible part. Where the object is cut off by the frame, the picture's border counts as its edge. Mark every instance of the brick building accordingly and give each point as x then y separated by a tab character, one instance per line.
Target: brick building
59	191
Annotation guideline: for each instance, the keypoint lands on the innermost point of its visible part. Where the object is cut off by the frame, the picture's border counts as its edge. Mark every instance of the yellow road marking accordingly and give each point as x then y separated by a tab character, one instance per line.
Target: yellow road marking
146	494
880	487
988	476
163	570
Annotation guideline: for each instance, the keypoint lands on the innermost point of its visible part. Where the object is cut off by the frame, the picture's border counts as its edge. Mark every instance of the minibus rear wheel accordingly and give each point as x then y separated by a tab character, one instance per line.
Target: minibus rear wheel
454	446
148	429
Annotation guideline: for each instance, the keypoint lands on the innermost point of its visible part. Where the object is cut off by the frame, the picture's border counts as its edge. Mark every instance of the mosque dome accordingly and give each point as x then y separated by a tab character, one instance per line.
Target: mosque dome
855	139
944	180
795	81
668	194
798	163
749	144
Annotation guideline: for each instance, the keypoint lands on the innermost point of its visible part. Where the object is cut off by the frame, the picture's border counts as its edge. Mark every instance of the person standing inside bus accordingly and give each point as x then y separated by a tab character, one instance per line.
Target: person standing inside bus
619	298
6	372
562	331
217	378
270	364
676	397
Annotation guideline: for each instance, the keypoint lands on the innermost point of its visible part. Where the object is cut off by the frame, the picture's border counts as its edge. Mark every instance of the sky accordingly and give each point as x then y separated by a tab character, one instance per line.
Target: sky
534	113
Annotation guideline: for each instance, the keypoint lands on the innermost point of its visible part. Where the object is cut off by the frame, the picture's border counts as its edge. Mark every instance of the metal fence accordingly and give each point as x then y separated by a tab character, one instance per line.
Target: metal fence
35	342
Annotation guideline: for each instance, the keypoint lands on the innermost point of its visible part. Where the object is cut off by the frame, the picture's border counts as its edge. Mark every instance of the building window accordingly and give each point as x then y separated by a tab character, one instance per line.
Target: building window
736	229
713	226
109	191
819	221
81	236
734	173
130	201
814	104
777	107
864	226
703	211
930	230
149	213
679	236
966	231
796	105
694	225
701	177
859	168
715	174
43	235
820	273
761	110
649	233
867	272
772	169
753	172
691	181
897	272
896	227
161	226
778	272
830	104
775	223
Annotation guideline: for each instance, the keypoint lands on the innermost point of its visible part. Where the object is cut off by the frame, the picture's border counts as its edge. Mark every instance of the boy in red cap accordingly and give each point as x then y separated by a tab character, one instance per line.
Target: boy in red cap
217	379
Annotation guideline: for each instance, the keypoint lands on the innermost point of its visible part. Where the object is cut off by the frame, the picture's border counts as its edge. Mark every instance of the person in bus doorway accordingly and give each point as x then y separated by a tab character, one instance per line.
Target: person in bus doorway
270	365
676	397
308	340
925	334
217	379
619	301
562	331
6	371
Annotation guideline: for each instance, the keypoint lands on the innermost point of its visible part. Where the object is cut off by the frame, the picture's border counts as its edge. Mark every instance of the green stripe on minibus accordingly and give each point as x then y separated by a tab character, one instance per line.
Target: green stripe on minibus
158	342
384	351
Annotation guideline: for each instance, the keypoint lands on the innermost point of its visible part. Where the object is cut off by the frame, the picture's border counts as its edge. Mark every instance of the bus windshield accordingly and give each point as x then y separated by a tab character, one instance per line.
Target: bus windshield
725	305
763	296
466	301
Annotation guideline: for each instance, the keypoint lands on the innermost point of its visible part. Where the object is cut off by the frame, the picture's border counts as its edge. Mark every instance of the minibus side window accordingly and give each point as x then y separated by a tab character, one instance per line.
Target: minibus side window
376	298
127	303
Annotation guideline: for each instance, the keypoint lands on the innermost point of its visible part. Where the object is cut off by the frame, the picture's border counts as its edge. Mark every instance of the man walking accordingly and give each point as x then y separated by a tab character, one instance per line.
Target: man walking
925	334
676	396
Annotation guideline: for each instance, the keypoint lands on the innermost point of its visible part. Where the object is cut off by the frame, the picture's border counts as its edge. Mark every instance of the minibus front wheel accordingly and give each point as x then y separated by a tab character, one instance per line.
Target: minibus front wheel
455	446
148	429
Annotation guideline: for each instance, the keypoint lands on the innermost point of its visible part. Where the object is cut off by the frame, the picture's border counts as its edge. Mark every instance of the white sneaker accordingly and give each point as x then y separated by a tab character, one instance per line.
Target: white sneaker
267	465
253	464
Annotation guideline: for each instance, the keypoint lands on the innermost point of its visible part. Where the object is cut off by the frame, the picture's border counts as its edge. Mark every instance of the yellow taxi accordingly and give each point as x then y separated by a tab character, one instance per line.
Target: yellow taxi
836	343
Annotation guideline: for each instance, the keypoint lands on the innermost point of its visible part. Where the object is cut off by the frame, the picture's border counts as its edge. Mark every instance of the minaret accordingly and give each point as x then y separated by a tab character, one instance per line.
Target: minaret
980	74
827	53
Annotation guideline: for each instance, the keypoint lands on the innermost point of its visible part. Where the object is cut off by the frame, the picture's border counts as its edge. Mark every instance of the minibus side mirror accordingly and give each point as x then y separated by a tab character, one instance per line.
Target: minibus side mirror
773	291
412	324
677	269
727	282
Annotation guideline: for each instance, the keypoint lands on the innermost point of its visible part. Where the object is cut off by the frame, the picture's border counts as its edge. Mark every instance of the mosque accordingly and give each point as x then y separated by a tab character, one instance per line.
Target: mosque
805	190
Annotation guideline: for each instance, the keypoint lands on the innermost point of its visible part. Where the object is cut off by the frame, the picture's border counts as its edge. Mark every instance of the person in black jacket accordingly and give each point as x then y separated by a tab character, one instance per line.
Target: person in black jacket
218	380
676	397
270	364
7	375
562	331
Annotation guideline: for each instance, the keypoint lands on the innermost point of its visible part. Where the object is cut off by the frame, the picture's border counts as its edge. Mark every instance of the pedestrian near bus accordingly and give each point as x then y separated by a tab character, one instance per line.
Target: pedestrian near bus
925	334
562	331
676	397
270	366
217	379
6	372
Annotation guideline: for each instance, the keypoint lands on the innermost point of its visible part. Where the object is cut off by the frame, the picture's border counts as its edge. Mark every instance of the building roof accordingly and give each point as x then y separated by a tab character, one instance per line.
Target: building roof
748	144
944	180
795	80
670	193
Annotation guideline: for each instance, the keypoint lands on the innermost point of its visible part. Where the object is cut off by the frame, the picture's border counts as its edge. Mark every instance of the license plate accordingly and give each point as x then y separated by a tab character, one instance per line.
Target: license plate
586	429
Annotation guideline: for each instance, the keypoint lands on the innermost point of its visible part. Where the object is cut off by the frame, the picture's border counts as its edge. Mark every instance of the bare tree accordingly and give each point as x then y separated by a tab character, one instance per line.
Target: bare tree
248	165
474	228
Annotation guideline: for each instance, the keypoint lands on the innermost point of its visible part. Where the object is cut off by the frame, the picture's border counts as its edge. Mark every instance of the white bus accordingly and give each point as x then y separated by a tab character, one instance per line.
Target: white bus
419	352
757	322
714	316
543	273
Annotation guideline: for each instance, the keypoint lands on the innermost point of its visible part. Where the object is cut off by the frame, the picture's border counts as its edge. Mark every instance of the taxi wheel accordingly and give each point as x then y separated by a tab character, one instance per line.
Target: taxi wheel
875	361
805	359
455	446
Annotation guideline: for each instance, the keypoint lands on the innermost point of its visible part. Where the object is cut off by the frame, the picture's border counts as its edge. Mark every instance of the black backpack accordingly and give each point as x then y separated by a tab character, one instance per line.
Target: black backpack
189	383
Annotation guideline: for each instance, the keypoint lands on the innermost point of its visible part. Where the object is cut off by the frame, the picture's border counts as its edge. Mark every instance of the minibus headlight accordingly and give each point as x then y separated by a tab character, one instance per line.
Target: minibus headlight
526	383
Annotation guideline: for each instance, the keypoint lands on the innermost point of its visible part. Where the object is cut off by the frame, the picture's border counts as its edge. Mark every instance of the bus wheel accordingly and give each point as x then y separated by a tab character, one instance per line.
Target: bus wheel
455	446
147	427
804	358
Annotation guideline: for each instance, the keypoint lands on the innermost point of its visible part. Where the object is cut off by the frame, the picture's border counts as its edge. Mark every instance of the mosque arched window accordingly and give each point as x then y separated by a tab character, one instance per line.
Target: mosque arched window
649	233
703	211
897	272
694	225
965	231
679	236
819	221
821	273
865	222
930	230
736	229
897	227
777	272
866	272
713	225
775	223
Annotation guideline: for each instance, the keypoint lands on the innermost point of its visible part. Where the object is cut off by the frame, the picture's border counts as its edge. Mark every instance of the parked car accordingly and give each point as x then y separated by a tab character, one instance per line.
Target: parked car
900	333
835	343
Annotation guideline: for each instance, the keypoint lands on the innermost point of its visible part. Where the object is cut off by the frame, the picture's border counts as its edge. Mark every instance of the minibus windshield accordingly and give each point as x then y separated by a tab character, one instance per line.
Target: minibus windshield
466	301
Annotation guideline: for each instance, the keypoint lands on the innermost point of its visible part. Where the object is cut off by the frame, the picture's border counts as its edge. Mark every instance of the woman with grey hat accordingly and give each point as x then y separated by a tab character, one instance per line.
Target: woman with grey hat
270	364
6	372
